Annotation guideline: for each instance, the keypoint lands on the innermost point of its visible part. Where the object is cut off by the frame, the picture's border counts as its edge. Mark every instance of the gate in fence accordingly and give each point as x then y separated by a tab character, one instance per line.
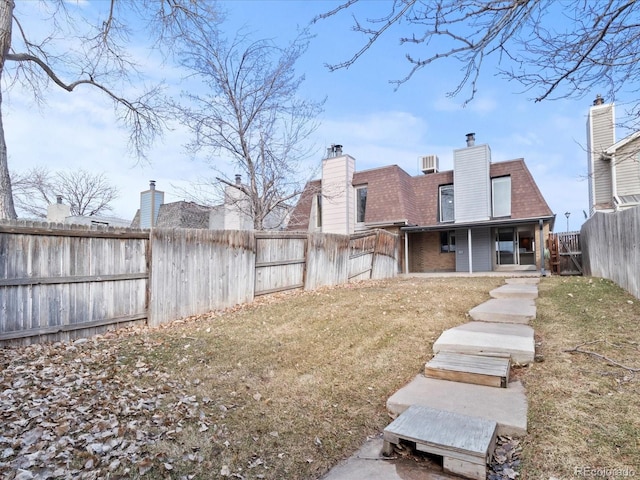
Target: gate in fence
565	253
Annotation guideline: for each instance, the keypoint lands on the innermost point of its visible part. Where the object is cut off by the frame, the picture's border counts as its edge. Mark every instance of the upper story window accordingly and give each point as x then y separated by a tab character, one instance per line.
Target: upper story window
319	210
361	203
501	196
447	211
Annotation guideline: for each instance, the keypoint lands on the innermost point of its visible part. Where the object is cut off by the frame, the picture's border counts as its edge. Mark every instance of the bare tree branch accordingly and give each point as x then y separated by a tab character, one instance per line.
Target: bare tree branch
555	49
251	117
610	361
86	193
74	49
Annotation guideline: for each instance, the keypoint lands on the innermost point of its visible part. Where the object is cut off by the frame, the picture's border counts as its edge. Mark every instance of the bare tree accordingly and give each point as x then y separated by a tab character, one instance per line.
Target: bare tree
87	47
251	116
553	49
87	193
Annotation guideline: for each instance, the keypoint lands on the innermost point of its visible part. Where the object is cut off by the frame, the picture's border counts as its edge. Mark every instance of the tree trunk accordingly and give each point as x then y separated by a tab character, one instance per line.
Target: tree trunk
7	210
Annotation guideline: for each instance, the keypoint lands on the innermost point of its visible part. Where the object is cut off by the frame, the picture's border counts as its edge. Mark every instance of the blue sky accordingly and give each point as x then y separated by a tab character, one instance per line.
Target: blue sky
375	124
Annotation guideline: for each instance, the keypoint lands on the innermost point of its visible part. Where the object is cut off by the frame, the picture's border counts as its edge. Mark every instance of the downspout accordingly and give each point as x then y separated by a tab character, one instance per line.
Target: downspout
541	225
152	188
349	195
614	182
470	250
406	252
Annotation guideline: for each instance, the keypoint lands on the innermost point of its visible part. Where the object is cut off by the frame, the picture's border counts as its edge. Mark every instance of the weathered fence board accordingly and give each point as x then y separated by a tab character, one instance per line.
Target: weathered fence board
197	271
611	248
327	260
64	285
57	284
280	262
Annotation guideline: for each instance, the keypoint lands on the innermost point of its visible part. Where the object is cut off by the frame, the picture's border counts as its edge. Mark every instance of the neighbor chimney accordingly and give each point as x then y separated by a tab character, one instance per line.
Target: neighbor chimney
471	139
238	179
599	100
334	151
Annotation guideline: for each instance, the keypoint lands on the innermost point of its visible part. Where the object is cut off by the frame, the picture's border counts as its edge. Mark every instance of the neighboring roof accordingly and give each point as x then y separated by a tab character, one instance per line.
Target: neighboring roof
97	219
395	197
299	219
179	215
621	143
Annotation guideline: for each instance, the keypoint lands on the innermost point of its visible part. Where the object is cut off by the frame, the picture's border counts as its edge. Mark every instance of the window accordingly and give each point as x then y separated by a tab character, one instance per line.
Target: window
501	196
448	242
319	210
447	212
361	203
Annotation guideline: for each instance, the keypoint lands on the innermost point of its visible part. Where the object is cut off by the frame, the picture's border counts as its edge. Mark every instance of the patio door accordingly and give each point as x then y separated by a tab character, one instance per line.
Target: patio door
507	246
515	246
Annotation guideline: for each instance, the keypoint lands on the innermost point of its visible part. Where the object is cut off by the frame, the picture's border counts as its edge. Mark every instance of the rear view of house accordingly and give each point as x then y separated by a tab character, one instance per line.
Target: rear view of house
481	216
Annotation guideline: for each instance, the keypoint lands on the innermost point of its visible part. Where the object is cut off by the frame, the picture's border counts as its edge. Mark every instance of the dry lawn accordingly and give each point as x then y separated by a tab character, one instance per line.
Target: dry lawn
291	385
297	382
584	412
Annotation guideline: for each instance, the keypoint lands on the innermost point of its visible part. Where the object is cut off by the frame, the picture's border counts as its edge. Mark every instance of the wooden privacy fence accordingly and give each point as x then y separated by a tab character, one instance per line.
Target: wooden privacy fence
60	282
70	282
611	248
565	253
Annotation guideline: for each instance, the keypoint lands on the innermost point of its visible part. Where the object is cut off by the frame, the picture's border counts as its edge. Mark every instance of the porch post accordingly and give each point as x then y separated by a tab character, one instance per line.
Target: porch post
541	225
470	250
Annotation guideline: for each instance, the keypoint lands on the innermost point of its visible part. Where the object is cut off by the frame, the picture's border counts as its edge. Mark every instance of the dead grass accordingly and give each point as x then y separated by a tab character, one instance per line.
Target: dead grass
583	411
288	387
291	386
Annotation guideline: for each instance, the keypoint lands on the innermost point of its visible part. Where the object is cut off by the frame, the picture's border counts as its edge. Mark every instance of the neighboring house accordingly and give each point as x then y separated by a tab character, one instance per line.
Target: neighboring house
233	214
230	215
61	213
479	217
614	167
154	212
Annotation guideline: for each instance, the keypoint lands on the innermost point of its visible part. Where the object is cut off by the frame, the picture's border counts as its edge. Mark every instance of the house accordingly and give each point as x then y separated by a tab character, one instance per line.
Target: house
154	212
614	166
232	214
61	213
479	217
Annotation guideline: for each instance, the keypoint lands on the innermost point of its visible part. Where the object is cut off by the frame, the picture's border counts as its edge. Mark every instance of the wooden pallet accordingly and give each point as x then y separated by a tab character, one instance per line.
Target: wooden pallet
492	371
464	443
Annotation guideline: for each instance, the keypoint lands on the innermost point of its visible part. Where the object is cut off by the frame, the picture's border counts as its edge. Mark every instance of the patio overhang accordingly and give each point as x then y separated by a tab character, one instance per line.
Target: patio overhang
487	223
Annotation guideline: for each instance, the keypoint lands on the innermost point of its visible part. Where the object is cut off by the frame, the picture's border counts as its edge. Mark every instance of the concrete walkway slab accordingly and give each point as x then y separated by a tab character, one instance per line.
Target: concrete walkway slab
506	406
514	290
523	280
505	310
489	338
368	463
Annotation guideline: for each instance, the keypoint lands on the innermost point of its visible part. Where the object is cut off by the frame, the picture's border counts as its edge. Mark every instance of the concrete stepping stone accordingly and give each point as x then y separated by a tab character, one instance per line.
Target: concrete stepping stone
465	443
514	290
506	406
369	463
487	338
476	369
523	280
505	310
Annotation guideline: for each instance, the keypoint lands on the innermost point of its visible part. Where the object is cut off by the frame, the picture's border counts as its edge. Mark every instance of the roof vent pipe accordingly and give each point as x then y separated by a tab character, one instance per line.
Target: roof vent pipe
152	184
599	100
238	179
58	199
471	139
